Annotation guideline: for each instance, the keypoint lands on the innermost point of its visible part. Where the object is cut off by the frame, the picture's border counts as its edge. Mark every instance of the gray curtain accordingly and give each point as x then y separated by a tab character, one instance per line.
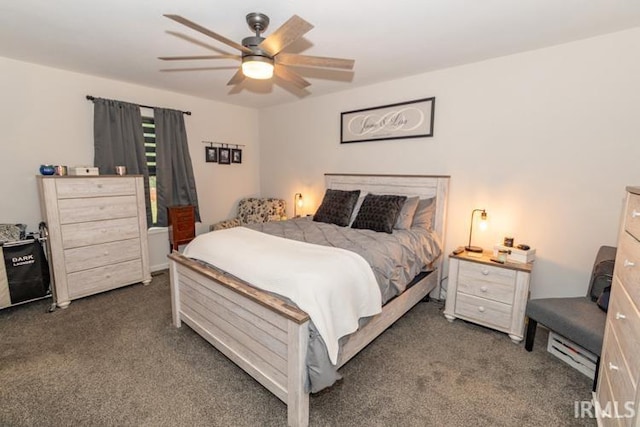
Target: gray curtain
175	182
119	141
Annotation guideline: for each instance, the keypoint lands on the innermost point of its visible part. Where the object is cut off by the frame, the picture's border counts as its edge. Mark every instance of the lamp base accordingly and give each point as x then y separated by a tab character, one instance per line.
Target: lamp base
474	249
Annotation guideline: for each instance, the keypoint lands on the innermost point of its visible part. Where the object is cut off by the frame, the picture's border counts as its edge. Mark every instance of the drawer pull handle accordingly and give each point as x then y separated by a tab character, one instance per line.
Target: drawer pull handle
485	271
613	367
481	309
483	289
628	263
620	316
635	214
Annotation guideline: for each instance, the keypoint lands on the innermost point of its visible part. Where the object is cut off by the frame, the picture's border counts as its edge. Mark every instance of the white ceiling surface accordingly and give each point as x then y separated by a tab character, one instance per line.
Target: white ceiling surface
121	39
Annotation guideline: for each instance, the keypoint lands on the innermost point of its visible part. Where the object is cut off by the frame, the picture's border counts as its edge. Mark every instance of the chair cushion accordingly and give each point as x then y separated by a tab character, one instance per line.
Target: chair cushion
578	319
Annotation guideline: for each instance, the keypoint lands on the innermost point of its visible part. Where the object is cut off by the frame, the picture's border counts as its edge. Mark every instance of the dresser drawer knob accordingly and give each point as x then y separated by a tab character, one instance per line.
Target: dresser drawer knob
485	271
620	316
483	288
628	263
481	309
635	214
613	367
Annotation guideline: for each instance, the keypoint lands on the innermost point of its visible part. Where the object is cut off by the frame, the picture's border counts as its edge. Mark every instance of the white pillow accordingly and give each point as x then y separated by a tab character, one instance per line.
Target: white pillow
405	218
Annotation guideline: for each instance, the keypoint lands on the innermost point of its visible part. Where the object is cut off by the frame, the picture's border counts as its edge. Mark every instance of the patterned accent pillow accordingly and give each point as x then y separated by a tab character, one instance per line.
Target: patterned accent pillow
424	214
336	207
379	212
405	219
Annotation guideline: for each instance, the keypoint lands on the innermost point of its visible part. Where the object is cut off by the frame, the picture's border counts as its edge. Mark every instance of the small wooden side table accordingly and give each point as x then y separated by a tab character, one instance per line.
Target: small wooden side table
182	225
488	293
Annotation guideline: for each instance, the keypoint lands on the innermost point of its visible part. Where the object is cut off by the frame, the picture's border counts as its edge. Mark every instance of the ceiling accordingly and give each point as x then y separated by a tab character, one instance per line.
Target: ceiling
121	39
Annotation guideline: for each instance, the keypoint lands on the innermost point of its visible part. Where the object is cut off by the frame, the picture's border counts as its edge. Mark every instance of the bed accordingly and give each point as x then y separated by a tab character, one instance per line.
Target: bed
268	336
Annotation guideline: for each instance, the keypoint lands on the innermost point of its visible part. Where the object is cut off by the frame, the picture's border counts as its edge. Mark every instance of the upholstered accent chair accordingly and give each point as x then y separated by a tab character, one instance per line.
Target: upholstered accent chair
579	319
254	210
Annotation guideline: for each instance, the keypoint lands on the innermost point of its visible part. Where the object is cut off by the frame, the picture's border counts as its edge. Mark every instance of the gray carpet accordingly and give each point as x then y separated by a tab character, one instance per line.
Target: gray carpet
115	359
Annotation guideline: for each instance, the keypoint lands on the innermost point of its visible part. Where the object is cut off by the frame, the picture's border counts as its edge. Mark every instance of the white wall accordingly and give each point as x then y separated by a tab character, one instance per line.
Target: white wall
45	118
546	141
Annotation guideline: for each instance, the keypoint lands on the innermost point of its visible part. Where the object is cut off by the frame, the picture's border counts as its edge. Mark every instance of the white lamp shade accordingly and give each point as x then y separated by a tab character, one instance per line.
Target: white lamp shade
257	67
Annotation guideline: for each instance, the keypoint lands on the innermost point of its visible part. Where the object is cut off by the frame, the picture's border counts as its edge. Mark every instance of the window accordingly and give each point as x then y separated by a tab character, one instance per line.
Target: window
149	130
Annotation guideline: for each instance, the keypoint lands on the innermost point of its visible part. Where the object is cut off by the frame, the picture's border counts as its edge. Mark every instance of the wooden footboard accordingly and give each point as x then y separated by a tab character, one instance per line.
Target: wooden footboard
262	334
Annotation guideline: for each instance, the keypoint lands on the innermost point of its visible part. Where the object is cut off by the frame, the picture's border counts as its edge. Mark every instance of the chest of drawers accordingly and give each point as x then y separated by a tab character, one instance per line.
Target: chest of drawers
490	294
97	233
617	393
182	225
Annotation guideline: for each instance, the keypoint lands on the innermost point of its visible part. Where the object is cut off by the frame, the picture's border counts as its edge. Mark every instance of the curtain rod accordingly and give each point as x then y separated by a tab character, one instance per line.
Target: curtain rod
92	98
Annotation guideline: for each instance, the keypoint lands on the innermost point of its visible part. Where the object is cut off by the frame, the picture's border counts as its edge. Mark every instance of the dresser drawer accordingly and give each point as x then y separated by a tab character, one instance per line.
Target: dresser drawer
97	208
489	282
632	215
622	389
93	233
606	401
627	267
487	312
623	317
101	279
95	187
86	257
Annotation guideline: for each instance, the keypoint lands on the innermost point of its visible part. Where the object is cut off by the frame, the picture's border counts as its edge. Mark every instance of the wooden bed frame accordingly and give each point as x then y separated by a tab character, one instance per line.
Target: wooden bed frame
267	337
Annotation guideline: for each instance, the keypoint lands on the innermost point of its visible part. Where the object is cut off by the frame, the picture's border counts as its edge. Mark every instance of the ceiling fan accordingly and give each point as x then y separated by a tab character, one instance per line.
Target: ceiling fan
262	57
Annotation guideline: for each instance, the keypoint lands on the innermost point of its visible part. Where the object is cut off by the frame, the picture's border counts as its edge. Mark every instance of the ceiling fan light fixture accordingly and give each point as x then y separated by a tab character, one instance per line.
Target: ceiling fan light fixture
257	67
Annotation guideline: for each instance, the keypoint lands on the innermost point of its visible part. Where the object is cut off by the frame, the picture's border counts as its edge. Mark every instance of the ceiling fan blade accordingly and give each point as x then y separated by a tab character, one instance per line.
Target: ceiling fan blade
208	32
170	70
237	78
314	61
291	76
197	42
288	32
188	58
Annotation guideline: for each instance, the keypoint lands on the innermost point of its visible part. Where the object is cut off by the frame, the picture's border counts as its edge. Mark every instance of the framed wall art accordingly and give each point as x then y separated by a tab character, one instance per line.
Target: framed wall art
236	155
411	119
211	154
224	156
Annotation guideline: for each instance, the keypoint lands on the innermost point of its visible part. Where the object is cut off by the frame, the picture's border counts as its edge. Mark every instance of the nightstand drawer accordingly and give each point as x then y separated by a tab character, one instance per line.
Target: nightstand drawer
485	281
485	311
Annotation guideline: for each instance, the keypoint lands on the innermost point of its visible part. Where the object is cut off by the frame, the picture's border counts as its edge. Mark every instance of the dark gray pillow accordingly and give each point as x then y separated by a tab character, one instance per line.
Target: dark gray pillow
379	212
336	207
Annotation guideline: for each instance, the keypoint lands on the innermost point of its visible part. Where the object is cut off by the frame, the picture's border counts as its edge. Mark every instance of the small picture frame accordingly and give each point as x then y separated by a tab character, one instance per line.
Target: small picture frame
236	155
211	154
224	156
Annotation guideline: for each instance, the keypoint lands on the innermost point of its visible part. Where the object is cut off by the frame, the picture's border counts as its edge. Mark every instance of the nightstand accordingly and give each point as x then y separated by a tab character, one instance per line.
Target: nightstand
182	225
488	293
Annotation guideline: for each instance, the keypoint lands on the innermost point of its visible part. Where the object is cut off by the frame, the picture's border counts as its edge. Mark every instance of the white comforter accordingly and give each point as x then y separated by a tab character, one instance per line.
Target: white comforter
336	287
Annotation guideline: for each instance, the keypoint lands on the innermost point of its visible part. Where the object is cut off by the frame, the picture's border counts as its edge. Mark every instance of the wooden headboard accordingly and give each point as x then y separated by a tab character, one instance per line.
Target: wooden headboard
423	186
